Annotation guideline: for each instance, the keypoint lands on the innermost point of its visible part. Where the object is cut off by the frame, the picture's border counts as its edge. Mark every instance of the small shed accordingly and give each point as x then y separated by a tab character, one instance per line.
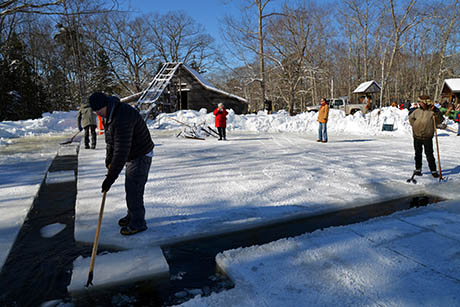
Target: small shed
451	89
177	87
366	90
368	87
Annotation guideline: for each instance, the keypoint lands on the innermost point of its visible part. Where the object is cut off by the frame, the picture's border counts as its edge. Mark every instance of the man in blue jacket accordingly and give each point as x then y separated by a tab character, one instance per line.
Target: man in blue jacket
128	143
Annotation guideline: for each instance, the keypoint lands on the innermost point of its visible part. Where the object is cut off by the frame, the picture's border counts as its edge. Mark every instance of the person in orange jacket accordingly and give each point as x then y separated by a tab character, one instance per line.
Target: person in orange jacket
221	120
323	115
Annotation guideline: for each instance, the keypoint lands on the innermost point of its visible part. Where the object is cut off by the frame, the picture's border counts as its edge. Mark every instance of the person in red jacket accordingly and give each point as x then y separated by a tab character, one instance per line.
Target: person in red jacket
221	120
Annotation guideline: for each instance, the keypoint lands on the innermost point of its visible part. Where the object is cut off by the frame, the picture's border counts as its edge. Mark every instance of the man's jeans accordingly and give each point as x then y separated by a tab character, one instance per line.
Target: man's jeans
137	172
322	132
428	145
91	128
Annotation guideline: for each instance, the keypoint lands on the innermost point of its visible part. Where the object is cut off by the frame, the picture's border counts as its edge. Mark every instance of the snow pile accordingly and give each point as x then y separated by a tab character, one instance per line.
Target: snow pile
49	123
359	124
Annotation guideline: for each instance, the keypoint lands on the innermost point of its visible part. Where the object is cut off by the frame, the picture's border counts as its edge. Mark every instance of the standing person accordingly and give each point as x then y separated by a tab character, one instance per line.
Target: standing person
457	118
323	115
86	119
421	120
128	143
221	120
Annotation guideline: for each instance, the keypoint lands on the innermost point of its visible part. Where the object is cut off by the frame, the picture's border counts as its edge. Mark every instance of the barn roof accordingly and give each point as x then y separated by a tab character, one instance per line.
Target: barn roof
209	86
451	85
367	87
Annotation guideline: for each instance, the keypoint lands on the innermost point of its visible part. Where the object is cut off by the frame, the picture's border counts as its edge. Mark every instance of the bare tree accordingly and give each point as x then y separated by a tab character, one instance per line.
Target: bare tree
10	7
290	41
179	38
360	21
401	24
244	34
446	25
132	57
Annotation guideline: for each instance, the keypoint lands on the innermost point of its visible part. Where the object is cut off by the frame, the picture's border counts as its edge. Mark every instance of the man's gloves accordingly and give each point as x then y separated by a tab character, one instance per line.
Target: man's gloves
107	183
80	128
108	160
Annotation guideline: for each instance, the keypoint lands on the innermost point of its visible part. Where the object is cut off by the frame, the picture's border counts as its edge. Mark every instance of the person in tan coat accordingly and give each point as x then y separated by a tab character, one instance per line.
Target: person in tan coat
422	122
323	115
86	119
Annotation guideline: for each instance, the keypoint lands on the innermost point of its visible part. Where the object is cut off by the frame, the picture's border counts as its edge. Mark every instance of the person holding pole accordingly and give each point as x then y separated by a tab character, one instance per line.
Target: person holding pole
128	143
423	121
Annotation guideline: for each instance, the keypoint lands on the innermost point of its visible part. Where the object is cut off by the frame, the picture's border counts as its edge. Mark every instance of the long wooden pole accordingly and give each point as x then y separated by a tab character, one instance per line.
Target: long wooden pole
95	244
437	147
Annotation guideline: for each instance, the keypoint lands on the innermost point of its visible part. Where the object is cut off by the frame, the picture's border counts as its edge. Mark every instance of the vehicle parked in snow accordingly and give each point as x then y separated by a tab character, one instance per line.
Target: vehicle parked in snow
341	103
344	104
313	108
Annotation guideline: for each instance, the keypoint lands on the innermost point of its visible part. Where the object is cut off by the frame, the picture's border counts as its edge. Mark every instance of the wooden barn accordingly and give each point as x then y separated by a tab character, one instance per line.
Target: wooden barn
178	87
451	89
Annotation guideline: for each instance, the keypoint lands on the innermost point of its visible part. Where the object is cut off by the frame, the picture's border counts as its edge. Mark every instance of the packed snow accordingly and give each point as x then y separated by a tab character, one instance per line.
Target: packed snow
407	259
271	169
120	267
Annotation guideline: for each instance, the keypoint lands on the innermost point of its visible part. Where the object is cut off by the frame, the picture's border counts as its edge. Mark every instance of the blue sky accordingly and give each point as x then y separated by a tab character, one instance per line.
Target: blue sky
205	12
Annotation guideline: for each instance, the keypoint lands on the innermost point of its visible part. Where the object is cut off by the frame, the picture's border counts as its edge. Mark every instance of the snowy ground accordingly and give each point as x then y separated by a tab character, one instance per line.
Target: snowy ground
272	169
198	188
408	259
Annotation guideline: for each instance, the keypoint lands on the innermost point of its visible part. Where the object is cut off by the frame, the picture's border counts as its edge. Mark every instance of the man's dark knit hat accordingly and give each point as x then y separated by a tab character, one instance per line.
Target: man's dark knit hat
98	100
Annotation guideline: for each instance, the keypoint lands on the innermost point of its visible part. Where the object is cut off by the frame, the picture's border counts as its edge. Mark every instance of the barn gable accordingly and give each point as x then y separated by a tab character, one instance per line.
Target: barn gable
178	87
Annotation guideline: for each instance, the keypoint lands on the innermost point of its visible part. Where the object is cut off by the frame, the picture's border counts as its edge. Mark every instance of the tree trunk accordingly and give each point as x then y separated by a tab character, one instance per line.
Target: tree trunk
446	36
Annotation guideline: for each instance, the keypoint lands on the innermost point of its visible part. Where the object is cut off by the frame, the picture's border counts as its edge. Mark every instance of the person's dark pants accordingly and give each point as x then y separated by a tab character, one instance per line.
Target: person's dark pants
93	136
137	172
221	132
428	145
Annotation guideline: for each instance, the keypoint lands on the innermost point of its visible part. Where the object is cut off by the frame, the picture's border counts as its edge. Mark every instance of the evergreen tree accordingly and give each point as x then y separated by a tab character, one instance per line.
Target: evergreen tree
21	93
103	80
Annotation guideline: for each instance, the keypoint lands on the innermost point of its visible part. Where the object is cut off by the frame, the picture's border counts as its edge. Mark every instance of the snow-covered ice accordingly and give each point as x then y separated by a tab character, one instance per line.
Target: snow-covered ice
407	259
51	230
199	188
271	169
120	267
22	169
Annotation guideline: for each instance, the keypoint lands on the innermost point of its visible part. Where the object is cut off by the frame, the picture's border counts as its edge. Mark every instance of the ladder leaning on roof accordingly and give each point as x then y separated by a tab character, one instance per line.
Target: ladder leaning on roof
153	92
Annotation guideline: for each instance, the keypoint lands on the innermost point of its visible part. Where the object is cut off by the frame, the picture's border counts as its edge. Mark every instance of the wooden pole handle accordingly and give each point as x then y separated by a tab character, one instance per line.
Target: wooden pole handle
96	240
437	146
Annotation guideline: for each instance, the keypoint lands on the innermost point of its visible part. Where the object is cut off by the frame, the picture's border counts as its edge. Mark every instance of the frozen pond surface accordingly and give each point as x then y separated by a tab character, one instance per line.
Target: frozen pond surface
250	179
23	165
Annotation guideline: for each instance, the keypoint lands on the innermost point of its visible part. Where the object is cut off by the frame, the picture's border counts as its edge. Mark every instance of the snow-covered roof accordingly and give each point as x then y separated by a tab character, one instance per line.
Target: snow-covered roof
208	86
368	87
451	85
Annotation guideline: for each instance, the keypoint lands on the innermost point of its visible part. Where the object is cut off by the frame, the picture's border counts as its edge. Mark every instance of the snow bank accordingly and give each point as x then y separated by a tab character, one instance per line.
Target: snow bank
49	123
358	124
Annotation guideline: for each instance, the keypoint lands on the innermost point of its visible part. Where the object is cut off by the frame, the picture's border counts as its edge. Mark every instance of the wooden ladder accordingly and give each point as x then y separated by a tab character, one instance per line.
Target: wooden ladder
155	89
